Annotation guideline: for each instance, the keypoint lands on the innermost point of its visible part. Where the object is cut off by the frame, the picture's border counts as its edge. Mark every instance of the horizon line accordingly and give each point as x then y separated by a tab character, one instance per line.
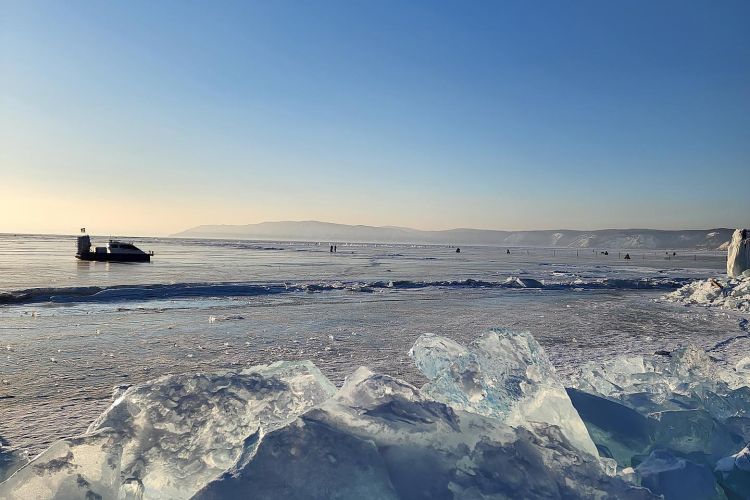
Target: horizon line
455	228
176	234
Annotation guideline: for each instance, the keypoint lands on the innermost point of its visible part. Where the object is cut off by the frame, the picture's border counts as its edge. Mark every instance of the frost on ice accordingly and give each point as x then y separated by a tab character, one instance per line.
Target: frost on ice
492	422
503	374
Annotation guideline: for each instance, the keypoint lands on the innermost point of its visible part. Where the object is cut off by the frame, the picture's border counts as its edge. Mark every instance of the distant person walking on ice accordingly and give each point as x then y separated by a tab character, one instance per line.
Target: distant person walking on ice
335	250
507	251
627	256
331	248
458	250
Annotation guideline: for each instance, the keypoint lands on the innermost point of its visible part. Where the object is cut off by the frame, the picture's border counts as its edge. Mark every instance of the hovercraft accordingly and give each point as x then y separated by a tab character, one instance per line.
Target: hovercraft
115	251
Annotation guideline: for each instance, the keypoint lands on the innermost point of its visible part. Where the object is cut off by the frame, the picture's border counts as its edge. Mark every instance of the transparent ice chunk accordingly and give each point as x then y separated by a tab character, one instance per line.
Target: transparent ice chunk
168	437
10	461
380	437
503	374
734	473
677	478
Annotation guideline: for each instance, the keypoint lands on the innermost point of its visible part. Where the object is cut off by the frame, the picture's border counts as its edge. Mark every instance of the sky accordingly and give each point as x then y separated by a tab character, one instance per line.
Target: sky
146	118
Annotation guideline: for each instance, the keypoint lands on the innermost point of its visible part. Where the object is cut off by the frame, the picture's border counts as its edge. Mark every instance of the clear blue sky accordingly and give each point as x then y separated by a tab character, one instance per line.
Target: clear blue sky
150	117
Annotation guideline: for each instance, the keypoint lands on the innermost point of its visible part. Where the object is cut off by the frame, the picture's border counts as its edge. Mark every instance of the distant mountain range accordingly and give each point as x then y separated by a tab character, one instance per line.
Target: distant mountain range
340	233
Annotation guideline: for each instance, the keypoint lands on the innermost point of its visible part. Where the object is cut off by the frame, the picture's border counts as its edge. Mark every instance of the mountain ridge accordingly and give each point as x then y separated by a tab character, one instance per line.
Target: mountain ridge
310	230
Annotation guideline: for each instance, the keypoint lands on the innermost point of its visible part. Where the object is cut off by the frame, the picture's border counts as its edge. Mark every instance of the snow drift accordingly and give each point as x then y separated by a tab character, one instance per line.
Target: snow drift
494	421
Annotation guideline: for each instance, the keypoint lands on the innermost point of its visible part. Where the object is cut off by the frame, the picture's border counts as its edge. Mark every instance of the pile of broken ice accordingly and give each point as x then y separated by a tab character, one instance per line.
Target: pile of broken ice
733	293
494	421
730	293
671	421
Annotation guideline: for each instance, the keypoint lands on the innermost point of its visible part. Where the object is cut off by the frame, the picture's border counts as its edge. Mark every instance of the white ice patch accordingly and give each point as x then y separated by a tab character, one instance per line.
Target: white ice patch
715	292
516	282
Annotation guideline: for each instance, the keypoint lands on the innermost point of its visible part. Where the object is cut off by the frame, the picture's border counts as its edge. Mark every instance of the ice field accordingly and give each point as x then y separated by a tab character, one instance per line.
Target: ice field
71	332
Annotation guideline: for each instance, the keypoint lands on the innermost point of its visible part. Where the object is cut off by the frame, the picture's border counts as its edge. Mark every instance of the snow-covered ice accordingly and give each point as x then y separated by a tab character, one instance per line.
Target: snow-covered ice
731	293
125	326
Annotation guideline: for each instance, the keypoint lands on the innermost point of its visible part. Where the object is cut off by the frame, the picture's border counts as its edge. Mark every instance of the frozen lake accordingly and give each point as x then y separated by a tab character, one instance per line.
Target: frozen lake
70	331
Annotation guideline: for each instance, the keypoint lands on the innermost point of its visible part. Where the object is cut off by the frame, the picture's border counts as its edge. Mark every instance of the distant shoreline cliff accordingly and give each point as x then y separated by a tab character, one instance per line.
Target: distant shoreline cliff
708	239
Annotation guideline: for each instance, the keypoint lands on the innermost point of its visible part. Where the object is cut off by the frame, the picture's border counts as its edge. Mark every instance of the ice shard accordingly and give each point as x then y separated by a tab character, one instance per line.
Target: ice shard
734	474
503	374
619	432
493	422
380	437
678	478
517	282
674	415
169	437
10	461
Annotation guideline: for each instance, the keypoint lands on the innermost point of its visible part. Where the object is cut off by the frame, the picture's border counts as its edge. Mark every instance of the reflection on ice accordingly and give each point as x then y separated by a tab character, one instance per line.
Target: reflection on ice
494	421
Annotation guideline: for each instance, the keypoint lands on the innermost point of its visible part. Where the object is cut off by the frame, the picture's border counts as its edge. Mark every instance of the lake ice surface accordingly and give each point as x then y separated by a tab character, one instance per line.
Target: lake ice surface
70	331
